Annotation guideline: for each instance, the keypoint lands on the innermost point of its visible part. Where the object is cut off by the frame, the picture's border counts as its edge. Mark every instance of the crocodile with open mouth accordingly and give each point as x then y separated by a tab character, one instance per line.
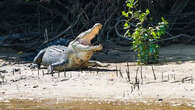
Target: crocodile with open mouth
76	56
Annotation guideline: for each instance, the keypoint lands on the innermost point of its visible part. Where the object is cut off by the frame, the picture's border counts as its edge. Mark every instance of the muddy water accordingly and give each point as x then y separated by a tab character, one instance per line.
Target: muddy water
85	105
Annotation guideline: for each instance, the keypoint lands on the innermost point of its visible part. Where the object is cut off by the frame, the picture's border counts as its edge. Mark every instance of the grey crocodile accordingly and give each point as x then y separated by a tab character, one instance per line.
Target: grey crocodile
75	56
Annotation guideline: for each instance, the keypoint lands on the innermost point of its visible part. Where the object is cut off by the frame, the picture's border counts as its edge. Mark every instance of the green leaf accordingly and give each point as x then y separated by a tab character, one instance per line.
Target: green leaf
147	11
129	5
124	14
142	17
159	33
164	21
126	25
162	27
154	34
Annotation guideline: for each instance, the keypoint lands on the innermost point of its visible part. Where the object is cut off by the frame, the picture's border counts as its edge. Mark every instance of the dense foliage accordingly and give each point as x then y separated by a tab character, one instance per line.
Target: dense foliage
26	24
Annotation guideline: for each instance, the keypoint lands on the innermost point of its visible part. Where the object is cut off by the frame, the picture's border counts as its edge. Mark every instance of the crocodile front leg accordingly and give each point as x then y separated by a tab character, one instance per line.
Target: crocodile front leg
38	59
57	66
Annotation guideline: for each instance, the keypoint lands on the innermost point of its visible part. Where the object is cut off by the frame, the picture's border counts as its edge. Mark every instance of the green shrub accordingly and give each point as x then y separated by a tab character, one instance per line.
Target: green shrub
145	37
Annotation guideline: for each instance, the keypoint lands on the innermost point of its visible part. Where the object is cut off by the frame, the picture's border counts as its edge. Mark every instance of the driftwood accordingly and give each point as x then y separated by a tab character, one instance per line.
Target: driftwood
55	19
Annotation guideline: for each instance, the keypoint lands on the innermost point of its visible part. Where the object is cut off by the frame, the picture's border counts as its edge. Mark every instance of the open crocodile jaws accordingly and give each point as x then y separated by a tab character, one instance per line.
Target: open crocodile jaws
76	55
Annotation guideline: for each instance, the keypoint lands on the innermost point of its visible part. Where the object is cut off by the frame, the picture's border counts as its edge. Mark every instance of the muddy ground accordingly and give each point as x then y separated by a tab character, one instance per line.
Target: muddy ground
171	80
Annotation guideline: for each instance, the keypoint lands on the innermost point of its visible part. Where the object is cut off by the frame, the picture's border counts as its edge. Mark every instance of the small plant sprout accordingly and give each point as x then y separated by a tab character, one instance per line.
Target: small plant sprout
144	35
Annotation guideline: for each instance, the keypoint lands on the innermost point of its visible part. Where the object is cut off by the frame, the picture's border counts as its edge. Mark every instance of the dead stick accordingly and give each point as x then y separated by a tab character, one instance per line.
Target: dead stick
97	70
13	72
64	73
58	74
32	72
38	72
141	75
52	74
174	77
20	72
43	72
128	73
120	73
153	73
136	78
116	71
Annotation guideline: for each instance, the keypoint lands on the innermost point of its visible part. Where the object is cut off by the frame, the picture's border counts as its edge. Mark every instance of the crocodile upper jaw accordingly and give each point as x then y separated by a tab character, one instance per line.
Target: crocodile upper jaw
87	36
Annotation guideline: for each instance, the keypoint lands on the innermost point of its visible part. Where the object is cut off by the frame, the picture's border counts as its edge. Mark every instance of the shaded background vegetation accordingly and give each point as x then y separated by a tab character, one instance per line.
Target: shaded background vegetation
27	24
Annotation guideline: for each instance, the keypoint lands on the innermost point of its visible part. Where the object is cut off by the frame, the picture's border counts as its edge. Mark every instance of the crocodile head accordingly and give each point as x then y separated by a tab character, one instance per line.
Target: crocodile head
83	40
